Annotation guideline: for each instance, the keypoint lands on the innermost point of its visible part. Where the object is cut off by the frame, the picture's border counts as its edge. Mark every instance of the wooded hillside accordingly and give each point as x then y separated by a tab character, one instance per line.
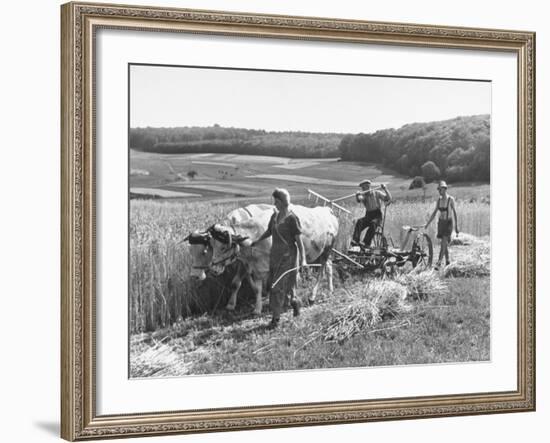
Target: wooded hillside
455	150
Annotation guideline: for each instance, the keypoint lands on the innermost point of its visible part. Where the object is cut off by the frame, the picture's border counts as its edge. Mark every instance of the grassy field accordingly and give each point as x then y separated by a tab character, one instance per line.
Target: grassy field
452	326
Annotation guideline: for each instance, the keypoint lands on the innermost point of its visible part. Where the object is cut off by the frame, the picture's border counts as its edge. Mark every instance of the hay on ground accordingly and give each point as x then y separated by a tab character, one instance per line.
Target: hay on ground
464	239
381	300
423	285
377	301
388	296
152	361
477	263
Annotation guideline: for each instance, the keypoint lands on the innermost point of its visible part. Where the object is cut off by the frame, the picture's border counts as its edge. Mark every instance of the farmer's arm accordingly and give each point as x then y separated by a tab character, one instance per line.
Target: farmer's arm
386	196
265	235
432	217
359	196
455	216
301	250
296	232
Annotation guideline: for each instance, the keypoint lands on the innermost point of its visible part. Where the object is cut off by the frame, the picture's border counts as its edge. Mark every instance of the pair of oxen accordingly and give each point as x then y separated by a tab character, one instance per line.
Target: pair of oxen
229	242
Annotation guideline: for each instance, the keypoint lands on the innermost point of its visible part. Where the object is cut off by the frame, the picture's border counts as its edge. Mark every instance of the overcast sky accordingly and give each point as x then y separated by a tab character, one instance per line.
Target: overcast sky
163	96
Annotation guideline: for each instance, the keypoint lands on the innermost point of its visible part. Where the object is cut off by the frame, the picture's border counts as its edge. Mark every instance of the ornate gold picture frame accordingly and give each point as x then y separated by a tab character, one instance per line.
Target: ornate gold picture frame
80	419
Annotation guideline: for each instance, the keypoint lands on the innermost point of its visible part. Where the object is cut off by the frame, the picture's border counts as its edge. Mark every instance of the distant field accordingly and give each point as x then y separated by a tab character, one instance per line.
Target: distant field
162	193
298	165
248	178
228	176
304	179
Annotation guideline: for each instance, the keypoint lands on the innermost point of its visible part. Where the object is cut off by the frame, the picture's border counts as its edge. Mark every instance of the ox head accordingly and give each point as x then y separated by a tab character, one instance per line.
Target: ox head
201	251
225	246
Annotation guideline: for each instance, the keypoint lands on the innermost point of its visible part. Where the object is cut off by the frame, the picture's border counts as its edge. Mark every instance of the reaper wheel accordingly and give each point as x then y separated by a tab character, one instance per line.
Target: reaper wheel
379	242
422	252
378	249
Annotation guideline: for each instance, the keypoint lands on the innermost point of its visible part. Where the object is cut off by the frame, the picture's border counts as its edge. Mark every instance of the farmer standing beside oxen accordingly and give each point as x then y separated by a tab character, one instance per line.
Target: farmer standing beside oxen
286	257
372	200
445	203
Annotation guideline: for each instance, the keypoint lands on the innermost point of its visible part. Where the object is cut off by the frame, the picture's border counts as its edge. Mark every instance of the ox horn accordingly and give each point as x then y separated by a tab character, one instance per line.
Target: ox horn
240	238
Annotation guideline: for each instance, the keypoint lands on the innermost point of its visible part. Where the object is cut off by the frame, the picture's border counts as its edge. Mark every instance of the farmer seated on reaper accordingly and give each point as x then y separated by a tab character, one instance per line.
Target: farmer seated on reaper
372	199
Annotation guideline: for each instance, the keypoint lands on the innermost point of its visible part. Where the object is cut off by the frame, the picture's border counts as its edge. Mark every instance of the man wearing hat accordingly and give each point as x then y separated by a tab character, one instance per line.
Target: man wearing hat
372	199
445	205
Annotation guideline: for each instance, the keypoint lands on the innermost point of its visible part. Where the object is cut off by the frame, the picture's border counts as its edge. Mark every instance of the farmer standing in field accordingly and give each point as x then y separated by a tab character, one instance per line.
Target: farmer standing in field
372	200
287	252
444	204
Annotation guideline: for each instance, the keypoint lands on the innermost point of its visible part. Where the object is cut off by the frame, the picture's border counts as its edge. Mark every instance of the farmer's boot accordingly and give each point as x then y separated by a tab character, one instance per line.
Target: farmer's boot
274	323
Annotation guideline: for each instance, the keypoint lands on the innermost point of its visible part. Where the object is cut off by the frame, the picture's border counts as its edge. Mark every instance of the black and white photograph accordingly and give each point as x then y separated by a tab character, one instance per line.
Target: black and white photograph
285	220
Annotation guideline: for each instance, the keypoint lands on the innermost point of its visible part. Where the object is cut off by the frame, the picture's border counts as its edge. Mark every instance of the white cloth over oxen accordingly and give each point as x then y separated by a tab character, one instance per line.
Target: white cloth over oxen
231	242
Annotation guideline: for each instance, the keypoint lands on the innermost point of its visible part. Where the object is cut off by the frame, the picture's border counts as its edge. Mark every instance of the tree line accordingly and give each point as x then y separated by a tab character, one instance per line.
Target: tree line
455	150
220	140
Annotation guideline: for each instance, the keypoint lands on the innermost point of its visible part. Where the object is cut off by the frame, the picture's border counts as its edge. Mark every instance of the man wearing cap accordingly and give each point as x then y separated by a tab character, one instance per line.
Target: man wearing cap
372	199
445	205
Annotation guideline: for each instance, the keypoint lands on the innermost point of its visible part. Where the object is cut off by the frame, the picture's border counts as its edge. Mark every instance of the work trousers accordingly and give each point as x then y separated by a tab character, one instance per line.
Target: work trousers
371	220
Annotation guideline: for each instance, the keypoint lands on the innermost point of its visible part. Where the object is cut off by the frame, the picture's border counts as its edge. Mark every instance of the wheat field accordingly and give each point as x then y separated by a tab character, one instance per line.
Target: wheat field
160	292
